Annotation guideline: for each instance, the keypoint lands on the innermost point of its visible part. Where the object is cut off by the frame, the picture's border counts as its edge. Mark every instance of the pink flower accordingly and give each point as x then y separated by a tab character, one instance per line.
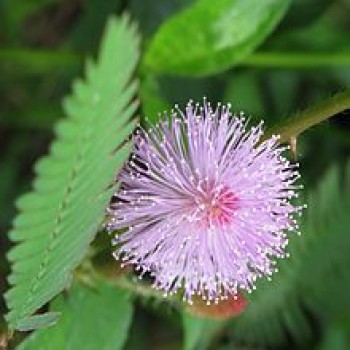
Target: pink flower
204	205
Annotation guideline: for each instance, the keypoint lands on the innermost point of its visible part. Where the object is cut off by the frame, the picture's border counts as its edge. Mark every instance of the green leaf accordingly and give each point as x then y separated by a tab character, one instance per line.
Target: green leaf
304	120
75	182
199	332
211	36
91	319
38	321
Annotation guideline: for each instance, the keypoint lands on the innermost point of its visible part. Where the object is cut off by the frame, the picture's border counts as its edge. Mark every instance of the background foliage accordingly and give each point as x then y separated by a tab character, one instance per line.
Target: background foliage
270	59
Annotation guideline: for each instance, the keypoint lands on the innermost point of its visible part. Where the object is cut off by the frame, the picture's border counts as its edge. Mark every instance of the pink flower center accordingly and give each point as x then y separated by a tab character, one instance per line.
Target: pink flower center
218	207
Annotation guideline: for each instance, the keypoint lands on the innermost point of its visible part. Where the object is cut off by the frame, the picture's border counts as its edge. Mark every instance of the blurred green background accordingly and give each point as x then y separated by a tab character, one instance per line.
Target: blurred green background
305	59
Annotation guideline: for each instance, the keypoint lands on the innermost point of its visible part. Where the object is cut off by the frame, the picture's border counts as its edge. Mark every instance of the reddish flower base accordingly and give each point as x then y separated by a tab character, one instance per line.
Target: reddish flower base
224	309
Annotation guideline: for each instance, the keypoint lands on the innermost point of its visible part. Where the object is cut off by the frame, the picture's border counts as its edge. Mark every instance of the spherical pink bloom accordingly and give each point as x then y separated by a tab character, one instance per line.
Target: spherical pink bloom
204	204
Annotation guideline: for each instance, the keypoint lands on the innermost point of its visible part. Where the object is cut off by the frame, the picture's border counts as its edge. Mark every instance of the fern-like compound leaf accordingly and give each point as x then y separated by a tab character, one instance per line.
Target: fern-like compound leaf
59	218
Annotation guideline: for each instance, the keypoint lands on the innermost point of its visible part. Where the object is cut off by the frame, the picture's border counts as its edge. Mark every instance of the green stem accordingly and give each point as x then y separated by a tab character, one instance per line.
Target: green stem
296	60
42	60
38	60
137	288
90	275
300	122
